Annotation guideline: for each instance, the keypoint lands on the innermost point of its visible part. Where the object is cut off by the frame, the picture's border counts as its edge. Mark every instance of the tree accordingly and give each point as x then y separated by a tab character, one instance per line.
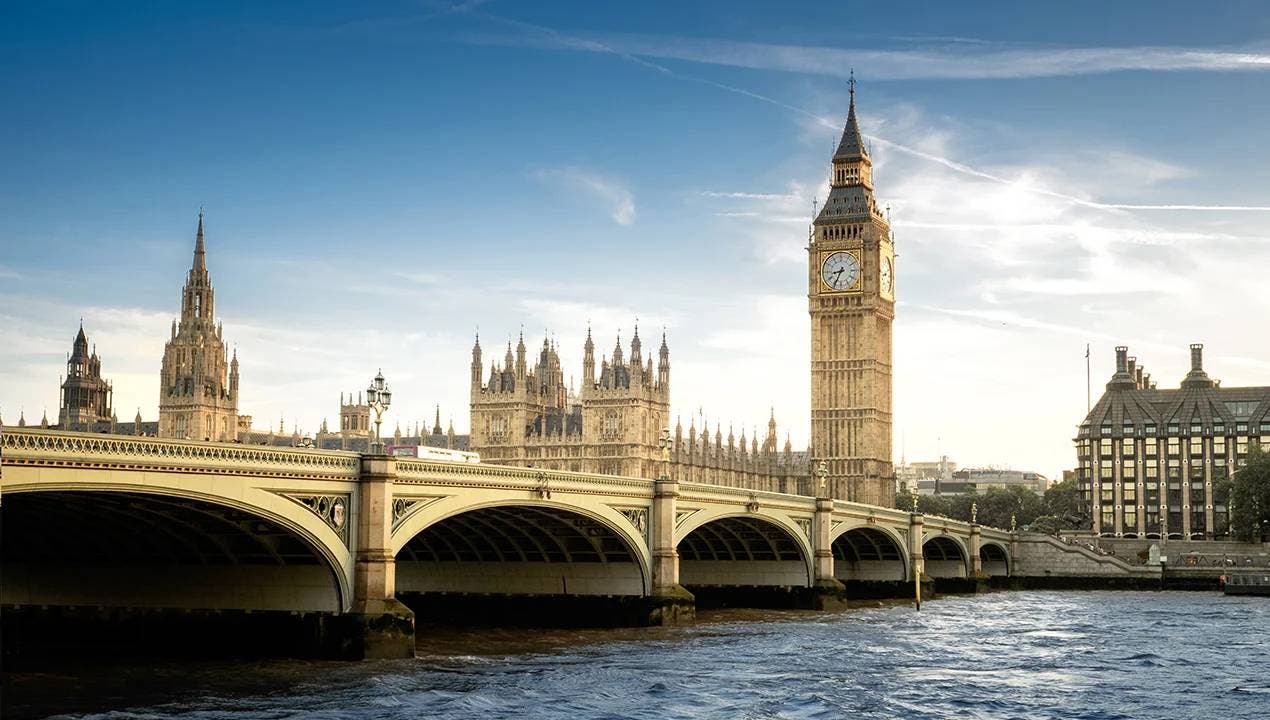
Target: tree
1063	500
1250	497
926	504
1064	503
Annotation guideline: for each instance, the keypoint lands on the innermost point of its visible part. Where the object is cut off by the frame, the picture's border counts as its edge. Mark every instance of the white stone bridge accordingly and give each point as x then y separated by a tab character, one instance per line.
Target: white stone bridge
115	521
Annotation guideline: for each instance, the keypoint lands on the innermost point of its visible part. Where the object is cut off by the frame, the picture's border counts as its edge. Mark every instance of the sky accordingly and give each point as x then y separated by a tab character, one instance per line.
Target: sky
381	180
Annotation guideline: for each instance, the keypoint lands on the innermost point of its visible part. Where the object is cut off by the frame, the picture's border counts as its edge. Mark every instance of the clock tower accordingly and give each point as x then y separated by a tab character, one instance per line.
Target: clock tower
851	298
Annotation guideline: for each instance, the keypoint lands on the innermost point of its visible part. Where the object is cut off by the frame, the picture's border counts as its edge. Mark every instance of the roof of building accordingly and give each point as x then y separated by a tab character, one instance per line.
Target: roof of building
1129	400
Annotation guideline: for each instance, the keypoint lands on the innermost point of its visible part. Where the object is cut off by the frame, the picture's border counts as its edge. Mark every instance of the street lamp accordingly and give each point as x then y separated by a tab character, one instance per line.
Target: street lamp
822	472
378	397
666	444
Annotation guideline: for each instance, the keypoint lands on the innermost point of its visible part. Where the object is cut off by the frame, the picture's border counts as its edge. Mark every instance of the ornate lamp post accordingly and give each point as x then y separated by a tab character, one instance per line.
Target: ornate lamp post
822	474
378	397
667	444
974	513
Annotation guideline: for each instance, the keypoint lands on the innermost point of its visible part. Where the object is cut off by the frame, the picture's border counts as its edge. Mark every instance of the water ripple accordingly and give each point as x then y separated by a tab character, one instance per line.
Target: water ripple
1074	656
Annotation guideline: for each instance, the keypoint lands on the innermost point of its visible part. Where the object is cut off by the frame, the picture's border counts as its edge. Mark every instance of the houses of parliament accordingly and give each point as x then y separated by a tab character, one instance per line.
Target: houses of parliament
523	413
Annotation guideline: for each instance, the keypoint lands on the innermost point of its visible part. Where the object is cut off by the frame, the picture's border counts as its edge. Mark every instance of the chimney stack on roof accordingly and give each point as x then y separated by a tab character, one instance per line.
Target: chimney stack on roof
1197	377
1123	378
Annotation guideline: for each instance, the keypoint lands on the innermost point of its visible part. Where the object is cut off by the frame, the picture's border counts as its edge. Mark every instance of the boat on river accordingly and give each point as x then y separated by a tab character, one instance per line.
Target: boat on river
1247	584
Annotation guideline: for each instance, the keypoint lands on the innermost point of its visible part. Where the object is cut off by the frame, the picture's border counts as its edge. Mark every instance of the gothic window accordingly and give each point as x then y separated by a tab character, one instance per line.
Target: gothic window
498	428
612	425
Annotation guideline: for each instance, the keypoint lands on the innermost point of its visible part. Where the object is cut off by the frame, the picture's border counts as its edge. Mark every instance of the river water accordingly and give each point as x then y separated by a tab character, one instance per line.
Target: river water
1062	655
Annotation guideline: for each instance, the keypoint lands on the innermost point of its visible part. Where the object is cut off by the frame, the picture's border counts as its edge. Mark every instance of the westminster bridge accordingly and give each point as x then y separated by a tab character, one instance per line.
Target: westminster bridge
120	522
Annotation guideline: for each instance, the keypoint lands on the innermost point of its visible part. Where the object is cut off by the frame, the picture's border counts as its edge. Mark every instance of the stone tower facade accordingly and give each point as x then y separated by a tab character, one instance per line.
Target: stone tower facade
526	415
198	388
851	298
86	396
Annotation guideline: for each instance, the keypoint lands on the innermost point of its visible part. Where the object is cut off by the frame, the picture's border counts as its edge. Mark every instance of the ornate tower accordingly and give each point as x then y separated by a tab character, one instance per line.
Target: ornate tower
198	389
85	394
851	298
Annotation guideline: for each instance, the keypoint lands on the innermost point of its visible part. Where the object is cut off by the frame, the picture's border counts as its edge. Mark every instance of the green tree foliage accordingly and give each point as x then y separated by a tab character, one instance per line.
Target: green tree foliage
995	506
1250	497
1063	501
1059	509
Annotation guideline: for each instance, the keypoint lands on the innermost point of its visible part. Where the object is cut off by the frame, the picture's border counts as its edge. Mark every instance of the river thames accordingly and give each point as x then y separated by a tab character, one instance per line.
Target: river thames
1062	655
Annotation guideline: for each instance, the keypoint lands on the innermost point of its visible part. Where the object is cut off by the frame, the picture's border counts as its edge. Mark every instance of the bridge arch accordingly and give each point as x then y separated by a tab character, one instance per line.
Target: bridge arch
994	558
868	552
522	547
743	548
114	543
945	556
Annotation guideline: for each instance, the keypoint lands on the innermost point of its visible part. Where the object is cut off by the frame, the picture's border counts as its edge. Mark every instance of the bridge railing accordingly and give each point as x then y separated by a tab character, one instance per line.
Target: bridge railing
745	496
34	446
441	472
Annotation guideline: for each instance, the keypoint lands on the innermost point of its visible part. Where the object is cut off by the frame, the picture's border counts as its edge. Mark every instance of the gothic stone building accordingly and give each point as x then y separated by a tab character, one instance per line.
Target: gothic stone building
86	399
356	431
851	298
86	395
525	415
1150	461
198	388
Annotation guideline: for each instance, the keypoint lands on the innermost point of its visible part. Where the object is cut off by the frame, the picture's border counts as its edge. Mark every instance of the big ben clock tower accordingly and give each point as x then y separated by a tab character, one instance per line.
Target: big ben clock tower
851	298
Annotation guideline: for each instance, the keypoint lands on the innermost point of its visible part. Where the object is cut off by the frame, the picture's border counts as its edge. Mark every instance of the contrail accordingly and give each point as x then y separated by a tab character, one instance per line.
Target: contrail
597	46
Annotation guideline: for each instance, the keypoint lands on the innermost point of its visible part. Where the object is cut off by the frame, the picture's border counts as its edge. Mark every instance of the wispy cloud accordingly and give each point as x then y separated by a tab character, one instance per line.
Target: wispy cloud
619	200
926	59
976	62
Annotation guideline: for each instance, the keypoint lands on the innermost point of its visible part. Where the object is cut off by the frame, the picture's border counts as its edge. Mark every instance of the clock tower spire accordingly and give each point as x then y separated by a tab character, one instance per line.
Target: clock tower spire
851	299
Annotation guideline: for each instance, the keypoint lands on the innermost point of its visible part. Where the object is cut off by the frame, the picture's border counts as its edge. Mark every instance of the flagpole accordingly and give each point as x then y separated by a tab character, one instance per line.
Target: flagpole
1088	407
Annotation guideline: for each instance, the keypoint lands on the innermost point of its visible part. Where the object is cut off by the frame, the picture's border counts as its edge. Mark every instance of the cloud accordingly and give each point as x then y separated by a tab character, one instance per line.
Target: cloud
620	201
925	58
996	63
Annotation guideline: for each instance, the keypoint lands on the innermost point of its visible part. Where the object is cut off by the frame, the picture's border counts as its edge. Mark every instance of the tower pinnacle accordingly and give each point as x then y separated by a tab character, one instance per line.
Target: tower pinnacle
200	249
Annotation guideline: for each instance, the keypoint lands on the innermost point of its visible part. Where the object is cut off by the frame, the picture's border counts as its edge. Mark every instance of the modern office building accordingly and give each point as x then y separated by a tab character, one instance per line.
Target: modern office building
1151	461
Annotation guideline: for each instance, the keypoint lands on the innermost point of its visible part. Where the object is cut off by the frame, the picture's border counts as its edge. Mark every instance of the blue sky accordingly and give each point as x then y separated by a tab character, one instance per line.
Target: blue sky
381	180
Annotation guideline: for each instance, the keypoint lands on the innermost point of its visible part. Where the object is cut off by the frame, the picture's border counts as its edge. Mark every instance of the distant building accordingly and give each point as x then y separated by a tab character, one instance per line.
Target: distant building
86	395
923	477
1149	459
357	431
979	480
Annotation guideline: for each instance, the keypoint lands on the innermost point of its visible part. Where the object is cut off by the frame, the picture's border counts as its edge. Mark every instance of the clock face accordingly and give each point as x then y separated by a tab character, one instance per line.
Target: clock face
886	278
840	271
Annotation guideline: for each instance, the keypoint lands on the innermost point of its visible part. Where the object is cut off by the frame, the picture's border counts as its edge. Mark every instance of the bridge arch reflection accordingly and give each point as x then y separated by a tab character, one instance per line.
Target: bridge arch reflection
521	548
743	550
946	557
156	549
869	553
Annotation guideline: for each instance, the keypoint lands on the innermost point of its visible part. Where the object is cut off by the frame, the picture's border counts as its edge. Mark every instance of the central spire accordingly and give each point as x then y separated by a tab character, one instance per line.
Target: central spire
851	146
200	250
